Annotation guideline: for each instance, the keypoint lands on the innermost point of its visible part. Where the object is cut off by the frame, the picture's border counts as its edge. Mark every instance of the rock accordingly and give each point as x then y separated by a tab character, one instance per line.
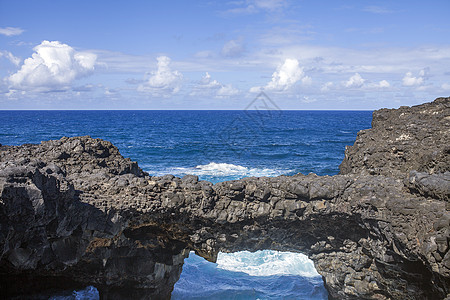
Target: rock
74	212
431	185
401	140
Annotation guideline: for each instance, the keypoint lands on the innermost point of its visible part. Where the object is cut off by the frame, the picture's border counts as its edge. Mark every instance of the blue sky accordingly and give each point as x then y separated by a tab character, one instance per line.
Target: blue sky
350	54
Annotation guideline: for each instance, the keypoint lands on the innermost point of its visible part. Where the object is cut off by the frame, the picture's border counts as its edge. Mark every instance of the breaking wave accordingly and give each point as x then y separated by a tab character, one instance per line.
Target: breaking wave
216	172
244	275
267	263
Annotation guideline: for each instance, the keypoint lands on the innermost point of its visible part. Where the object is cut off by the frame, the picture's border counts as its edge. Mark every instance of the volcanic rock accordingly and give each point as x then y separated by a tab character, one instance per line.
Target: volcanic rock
74	212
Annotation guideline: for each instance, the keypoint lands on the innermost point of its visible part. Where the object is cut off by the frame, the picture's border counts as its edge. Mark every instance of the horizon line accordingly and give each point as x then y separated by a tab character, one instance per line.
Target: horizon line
189	109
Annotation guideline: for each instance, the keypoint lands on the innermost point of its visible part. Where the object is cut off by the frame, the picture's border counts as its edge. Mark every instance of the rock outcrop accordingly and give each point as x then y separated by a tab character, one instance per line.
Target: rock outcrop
74	212
402	140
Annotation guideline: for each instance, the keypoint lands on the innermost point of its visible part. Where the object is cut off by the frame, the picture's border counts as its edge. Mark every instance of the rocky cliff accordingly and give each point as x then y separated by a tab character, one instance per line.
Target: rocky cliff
74	212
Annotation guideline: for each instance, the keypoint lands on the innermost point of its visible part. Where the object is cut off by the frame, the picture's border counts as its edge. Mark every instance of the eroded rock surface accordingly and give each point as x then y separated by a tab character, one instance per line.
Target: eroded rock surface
74	212
402	140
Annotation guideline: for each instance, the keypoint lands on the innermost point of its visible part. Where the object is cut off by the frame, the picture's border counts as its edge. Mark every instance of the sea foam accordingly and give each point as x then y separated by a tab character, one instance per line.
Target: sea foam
223	171
267	263
244	275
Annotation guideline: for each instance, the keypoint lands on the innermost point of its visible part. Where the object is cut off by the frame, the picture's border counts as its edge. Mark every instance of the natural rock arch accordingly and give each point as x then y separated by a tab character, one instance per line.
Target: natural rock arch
74	211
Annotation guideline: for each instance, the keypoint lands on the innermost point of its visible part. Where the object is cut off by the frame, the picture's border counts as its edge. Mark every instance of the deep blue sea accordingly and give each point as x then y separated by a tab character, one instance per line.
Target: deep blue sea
216	146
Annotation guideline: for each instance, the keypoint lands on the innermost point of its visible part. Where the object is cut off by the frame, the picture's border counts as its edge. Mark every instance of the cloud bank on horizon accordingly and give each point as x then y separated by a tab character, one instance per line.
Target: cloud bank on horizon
219	55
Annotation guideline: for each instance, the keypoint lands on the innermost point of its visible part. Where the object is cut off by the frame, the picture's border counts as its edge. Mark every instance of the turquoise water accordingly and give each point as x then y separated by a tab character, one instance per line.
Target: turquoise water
216	146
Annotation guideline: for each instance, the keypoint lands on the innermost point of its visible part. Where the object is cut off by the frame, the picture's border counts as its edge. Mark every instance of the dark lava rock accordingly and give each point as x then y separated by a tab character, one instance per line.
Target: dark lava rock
74	212
402	140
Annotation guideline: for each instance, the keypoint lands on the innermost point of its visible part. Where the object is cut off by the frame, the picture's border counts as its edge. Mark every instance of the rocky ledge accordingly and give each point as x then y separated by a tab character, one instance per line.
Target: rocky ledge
74	212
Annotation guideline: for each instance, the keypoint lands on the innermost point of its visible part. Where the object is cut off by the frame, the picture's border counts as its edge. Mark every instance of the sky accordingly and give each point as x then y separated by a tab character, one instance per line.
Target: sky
335	54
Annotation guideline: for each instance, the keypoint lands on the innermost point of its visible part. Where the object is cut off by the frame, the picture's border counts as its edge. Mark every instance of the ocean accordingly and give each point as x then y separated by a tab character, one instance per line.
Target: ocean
217	146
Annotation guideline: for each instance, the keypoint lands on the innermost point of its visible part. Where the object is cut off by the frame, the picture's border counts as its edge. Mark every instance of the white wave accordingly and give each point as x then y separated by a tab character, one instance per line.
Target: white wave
267	263
226	170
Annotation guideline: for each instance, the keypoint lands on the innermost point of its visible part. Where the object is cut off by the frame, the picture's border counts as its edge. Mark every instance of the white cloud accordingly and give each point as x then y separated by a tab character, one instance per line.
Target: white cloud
339	60
110	92
163	82
410	80
8	55
377	10
355	81
84	88
269	4
233	48
204	54
255	6
445	86
285	35
10	31
53	65
326	63
306	80
256	89
226	91
307	99
212	88
207	83
285	77
384	84
327	86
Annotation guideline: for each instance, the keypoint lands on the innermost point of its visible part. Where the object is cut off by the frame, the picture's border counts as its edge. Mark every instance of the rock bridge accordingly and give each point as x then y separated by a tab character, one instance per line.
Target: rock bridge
74	212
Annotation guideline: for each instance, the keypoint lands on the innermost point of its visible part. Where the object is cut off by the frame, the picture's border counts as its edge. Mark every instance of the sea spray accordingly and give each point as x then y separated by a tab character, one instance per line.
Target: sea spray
216	172
244	275
267	263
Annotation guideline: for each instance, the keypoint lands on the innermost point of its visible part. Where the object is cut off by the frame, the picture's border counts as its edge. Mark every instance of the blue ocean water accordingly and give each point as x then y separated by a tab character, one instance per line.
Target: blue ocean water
216	146
244	275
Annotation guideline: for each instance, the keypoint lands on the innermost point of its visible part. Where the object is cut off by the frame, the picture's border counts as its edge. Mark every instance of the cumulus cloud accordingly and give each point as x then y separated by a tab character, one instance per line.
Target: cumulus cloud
52	66
226	91
208	87
355	81
384	84
11	31
8	55
163	82
285	77
410	80
233	48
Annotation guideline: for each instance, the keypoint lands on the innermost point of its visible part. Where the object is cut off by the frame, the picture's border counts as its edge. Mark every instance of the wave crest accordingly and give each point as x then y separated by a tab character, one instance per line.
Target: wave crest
225	170
267	263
